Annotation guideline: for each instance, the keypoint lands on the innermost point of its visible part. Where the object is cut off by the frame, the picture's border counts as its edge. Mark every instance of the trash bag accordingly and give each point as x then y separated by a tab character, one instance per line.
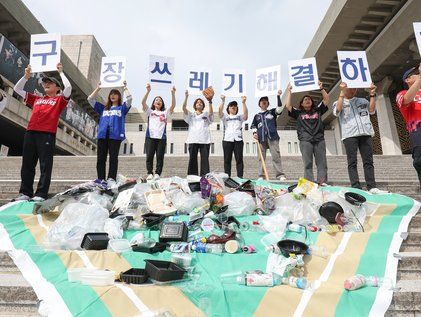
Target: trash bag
114	226
274	223
265	199
95	198
186	203
74	222
239	204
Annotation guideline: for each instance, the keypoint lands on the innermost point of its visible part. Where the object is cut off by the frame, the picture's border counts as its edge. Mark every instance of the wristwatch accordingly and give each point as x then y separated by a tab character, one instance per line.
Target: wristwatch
373	95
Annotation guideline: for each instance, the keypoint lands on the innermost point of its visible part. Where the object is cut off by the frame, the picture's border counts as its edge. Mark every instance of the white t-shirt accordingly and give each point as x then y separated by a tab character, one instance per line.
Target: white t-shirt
233	127
199	131
157	122
2	103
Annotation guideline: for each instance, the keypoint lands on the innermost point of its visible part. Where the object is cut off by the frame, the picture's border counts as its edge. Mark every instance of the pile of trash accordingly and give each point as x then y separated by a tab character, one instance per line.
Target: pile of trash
201	215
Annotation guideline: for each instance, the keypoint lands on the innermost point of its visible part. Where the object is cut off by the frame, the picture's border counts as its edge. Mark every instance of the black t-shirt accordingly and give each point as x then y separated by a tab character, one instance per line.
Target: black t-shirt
310	127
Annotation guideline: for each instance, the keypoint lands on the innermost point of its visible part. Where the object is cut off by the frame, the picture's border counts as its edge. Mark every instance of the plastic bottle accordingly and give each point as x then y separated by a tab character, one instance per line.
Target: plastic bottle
200	247
319	251
298	282
358	281
251	279
273	248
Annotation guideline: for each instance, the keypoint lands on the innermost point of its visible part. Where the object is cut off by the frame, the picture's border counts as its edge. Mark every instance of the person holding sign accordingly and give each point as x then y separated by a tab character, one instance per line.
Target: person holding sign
156	134
266	133
233	134
409	103
357	132
111	131
40	136
310	130
199	137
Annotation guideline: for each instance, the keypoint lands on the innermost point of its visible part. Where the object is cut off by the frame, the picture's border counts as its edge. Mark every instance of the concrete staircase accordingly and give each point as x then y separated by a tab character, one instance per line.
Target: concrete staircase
394	173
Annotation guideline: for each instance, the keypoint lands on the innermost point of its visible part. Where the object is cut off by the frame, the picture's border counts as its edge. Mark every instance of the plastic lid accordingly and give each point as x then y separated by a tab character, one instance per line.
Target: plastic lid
119	245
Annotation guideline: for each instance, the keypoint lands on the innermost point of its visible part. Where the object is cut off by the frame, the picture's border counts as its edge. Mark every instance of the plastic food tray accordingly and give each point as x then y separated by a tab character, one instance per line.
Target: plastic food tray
98	278
194	186
158	202
134	276
95	241
74	275
163	271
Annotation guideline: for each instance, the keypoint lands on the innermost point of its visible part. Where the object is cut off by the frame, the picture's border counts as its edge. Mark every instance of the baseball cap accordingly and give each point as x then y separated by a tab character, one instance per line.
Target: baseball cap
51	80
409	72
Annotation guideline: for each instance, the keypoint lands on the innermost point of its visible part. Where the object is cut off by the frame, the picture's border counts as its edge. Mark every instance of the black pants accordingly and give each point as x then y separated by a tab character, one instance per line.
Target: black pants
194	149
229	148
416	156
112	147
155	146
365	145
37	145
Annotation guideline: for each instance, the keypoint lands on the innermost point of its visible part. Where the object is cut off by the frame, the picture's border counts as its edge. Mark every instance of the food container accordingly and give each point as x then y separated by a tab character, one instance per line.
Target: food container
98	278
134	276
95	241
164	271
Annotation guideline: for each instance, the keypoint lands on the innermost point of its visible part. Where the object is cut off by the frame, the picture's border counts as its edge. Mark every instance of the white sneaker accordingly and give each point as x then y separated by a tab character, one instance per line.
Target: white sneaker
21	197
282	178
376	191
150	177
37	199
156	177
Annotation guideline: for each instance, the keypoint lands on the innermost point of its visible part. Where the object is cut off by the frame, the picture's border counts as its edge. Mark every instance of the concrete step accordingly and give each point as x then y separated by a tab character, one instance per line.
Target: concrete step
406	300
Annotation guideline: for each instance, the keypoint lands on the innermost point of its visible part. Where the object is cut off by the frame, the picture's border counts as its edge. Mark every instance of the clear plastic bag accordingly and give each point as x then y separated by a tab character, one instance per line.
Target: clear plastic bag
239	204
186	203
74	222
95	198
114	227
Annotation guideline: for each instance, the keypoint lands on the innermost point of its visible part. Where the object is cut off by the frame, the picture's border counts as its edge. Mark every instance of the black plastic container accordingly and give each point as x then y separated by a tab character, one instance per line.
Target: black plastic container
95	241
329	210
354	198
158	247
229	182
164	271
152	219
173	231
194	186
288	247
134	276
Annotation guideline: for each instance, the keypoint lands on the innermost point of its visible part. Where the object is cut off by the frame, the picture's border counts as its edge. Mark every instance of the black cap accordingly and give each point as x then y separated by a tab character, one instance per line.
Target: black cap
408	73
51	80
263	99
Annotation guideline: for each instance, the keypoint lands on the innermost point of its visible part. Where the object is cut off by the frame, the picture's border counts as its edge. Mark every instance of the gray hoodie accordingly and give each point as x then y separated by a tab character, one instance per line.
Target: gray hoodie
354	118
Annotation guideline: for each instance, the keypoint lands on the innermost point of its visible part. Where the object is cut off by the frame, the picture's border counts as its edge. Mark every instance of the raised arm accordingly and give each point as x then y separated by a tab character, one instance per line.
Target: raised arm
173	102
145	97
372	106
92	96
325	96
127	95
21	83
413	90
221	107
288	103
67	90
245	110
210	109
186	94
279	106
340	102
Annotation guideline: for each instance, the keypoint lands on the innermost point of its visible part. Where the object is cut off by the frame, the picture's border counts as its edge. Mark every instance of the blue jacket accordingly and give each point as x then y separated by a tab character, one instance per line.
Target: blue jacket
265	123
112	120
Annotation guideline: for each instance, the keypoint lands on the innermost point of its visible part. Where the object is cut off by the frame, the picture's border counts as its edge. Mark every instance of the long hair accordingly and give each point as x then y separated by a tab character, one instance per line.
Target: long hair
313	104
163	103
109	103
195	102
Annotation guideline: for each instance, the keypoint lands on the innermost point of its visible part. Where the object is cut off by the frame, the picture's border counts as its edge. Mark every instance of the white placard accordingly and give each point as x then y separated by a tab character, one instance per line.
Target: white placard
161	71
267	81
417	31
303	75
198	79
113	71
45	52
234	82
4	150
354	69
